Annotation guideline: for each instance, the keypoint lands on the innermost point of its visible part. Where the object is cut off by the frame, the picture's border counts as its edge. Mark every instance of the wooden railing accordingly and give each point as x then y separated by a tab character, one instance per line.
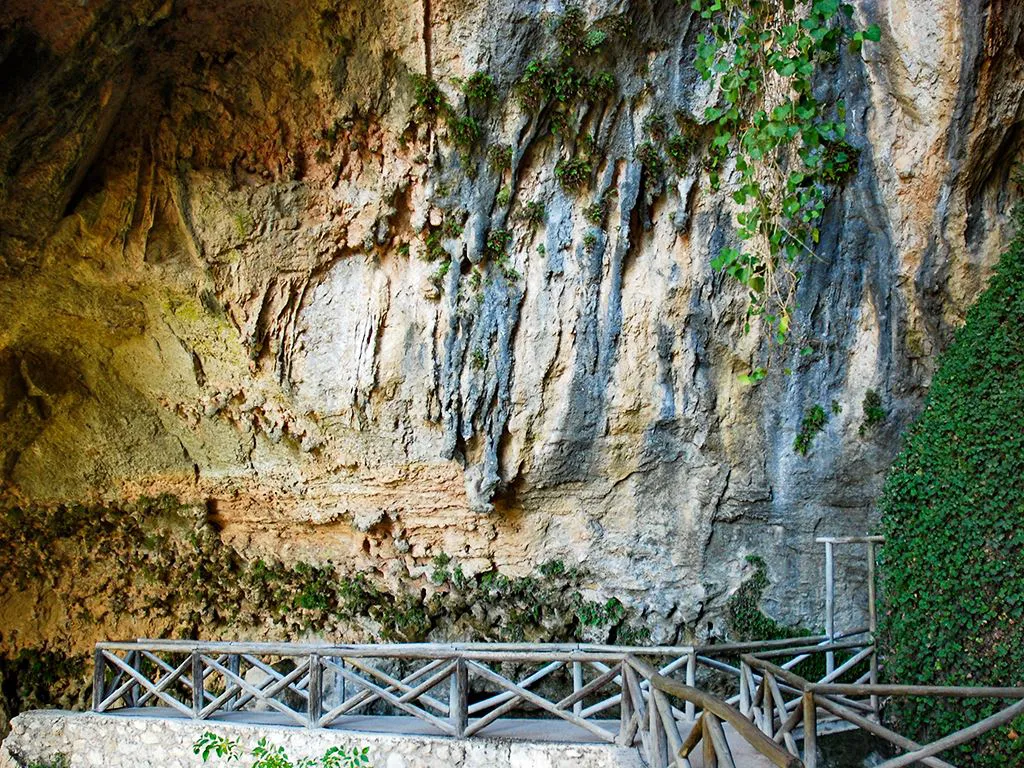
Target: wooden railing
782	700
631	696
616	694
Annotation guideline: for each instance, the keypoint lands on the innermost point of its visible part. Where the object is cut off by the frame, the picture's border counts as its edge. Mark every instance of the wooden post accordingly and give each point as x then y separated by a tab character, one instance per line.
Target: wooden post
577	685
131	696
658	736
767	708
198	686
744	689
691	680
708	746
235	665
810	731
99	674
872	628
315	689
830	605
625	713
658	757
458	702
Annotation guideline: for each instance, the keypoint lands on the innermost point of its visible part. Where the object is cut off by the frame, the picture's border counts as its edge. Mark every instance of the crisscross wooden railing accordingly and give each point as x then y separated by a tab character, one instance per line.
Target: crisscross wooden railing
778	701
615	694
631	696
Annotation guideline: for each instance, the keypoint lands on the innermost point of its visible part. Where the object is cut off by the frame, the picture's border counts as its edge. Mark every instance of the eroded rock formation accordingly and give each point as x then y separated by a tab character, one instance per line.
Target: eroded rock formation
216	226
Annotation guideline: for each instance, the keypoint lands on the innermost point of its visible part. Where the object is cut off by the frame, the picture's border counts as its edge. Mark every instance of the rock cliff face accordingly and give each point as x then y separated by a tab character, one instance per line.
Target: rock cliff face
220	226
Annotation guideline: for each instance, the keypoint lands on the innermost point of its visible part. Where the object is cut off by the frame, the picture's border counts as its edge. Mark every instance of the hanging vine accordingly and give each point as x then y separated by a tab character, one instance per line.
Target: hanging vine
789	146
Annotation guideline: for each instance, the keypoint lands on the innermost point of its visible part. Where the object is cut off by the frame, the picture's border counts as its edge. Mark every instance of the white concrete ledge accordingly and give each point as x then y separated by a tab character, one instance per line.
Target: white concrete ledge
89	740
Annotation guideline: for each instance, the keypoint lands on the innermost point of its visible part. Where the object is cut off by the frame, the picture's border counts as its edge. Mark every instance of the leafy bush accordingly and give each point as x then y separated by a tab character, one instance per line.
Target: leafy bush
463	131
428	99
953	564
874	413
533	212
573	173
269	755
649	158
479	87
680	149
813	422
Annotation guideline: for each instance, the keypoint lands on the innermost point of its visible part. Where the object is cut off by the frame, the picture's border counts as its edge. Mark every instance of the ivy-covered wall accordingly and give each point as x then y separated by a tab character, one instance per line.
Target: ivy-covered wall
953	563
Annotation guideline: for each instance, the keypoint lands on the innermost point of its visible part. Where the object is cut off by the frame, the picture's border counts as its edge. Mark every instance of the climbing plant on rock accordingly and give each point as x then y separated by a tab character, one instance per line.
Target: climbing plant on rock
953	564
789	147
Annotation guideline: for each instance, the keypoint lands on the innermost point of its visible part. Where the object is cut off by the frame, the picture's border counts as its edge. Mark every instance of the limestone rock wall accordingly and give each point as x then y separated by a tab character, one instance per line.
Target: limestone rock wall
212	224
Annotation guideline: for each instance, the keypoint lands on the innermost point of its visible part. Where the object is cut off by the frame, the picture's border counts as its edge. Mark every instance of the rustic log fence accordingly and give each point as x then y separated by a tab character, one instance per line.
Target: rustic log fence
616	694
855	703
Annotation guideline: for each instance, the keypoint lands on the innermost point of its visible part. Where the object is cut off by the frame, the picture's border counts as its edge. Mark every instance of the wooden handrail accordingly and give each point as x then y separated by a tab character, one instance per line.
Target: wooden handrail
938	691
435	650
720	709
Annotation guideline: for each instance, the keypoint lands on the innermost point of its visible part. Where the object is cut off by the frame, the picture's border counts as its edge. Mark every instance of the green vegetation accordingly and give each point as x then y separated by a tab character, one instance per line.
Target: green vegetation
433	249
429	100
268	755
454	223
747	622
649	157
789	147
656	126
430	105
438	275
479	87
814	421
463	132
58	761
41	678
504	197
557	85
953	564
533	212
499	158
573	173
595	212
680	148
743	609
573	35
498	241
874	413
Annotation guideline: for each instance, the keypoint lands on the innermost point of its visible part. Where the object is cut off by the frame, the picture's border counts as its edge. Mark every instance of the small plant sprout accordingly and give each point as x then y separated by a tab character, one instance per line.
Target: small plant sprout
212	744
533	212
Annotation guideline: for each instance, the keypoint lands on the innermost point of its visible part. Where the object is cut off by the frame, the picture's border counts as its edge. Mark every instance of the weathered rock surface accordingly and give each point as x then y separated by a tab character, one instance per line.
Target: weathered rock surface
211	223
